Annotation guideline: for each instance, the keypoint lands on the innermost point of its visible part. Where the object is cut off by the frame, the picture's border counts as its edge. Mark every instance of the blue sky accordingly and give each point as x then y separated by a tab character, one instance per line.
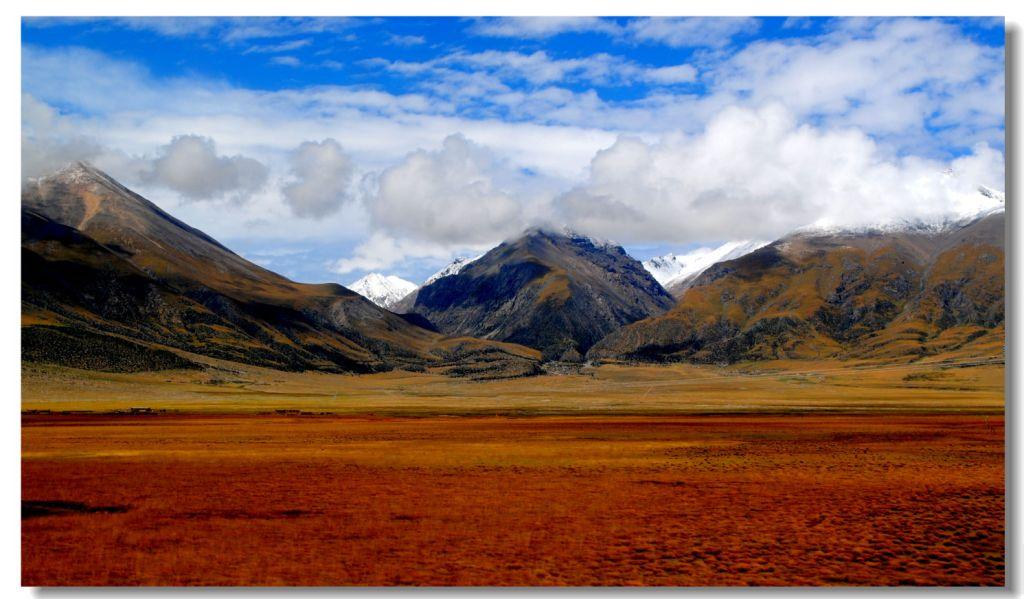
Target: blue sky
328	148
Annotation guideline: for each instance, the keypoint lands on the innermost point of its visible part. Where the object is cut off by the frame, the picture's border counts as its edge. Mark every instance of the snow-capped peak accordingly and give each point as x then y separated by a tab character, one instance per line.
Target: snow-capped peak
671	269
453	268
76	173
968	204
383	290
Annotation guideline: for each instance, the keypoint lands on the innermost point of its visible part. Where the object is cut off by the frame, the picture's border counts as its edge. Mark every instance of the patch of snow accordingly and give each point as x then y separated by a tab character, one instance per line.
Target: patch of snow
673	268
605	244
453	268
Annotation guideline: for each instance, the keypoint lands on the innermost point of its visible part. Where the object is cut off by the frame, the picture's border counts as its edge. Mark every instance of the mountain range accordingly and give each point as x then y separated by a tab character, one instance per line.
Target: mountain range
112	282
893	293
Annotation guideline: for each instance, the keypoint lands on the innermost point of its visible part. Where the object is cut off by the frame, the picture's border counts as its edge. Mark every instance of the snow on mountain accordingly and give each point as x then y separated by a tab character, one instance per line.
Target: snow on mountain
383	290
453	268
672	268
598	242
969	205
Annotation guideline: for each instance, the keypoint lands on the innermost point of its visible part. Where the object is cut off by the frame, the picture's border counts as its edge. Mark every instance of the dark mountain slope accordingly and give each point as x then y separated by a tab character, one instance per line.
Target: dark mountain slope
897	294
555	292
99	258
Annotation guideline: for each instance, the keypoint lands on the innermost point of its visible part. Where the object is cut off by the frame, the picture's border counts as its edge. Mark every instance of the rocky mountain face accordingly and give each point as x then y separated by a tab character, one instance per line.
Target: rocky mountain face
405	304
894	293
383	290
111	281
452	268
556	292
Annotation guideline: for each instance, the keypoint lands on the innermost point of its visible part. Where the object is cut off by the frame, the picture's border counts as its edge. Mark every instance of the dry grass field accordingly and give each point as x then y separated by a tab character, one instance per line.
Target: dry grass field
960	385
795	500
790	474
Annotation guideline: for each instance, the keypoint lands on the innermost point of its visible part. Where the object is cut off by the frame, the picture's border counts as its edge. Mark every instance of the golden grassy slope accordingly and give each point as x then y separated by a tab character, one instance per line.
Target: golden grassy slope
101	259
894	297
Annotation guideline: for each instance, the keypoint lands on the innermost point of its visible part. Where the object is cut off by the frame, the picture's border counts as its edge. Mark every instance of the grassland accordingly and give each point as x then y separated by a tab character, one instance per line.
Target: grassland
968	385
707	500
773	474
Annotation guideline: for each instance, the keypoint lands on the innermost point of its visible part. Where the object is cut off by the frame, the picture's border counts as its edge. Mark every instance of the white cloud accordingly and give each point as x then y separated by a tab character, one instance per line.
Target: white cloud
49	141
281	47
798	23
921	85
690	32
227	29
322	175
760	174
288	61
953	101
889	77
188	165
682	73
247	28
171	26
191	166
476	74
87	80
382	251
676	32
407	40
459	194
538	67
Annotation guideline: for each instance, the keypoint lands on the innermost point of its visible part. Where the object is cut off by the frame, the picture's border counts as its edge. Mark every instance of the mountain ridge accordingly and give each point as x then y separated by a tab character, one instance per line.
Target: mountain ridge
99	259
894	295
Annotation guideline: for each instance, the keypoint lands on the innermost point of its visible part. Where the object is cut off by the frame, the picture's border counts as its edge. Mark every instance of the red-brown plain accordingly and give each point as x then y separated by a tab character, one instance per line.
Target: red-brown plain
493	485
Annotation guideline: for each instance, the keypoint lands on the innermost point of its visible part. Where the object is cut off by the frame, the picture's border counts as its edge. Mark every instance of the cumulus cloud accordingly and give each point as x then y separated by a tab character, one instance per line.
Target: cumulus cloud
48	141
761	174
383	251
322	174
191	166
453	195
51	140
